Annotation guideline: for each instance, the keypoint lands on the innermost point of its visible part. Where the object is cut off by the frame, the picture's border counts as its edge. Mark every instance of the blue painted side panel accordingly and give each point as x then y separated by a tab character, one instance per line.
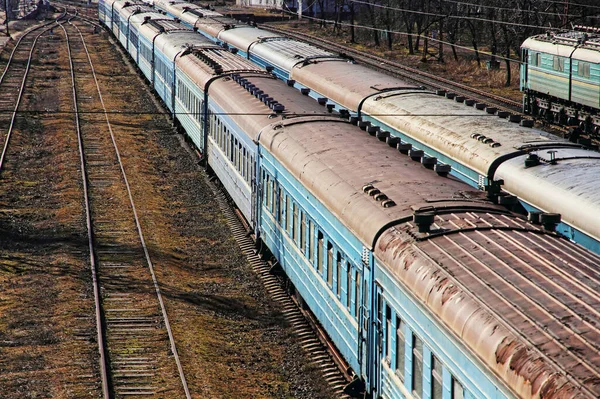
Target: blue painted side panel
310	283
467	369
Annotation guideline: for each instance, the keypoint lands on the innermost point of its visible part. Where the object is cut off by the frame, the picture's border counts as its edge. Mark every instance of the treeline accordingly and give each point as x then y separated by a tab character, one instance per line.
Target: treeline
496	27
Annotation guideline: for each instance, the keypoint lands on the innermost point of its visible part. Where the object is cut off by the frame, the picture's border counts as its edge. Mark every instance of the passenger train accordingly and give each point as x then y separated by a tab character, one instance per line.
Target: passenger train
490	150
427	288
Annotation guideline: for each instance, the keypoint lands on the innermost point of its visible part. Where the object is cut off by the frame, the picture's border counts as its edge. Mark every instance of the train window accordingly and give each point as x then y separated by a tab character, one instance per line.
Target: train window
288	215
330	264
417	367
295	224
338	268
558	64
265	188
320	251
302	232
583	69
281	205
348	285
273	196
400	348
458	391
356	293
311	240
436	381
388	334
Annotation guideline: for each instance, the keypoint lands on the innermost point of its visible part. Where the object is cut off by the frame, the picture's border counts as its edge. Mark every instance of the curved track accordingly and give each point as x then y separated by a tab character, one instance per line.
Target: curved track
136	344
397	69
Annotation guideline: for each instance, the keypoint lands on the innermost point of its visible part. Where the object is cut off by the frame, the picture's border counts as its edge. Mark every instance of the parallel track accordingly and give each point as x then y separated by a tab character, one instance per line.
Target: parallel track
13	81
394	68
136	344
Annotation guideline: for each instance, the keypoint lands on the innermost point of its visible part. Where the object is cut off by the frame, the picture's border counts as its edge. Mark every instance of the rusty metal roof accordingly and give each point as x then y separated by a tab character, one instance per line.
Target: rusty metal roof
525	301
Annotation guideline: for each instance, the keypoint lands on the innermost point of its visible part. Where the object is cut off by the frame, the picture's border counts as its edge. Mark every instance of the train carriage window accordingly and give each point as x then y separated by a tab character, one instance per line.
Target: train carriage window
348	286
388	334
311	240
338	269
295	224
288	215
319	251
417	369
266	191
436	381
281	205
303	232
400	348
356	293
273	196
458	391
583	69
330	264
558	64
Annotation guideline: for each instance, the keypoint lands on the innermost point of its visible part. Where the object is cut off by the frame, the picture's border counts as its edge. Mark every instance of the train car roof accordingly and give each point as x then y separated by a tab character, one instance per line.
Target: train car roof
563	45
345	82
173	43
285	53
525	302
339	164
468	135
572	178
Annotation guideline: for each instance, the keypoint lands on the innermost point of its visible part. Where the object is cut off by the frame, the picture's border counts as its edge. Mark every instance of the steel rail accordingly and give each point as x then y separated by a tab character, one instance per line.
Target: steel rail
137	223
100	337
22	87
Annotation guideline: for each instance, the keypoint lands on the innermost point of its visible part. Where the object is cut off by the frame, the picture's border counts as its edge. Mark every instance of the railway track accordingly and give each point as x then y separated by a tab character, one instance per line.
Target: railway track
311	338
14	78
396	69
138	356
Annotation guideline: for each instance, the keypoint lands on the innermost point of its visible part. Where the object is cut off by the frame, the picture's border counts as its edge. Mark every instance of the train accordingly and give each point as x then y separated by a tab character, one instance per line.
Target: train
499	153
426	286
560	79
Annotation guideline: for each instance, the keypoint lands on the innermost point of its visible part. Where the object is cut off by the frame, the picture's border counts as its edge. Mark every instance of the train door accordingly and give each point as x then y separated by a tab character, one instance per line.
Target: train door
378	320
362	301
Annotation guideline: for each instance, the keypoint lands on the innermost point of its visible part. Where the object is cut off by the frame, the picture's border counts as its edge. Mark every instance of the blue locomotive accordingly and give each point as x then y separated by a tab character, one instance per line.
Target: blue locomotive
426	287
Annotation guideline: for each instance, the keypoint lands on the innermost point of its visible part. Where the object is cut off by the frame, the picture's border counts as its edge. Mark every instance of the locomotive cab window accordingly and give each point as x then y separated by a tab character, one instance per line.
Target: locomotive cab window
558	64
583	69
536	59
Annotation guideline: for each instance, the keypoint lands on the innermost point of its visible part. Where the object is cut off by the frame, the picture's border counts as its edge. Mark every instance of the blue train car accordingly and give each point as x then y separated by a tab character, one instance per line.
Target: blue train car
426	287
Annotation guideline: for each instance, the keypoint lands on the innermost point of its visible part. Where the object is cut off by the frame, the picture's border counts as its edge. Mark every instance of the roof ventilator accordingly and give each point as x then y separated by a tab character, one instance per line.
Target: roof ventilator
423	220
450	96
373	130
459	99
469	102
330	107
404	148
503	114
429	162
442	169
305	91
382	135
491	110
416	155
392	141
550	220
532	160
514	118
322	100
480	106
440	92
527	123
364	124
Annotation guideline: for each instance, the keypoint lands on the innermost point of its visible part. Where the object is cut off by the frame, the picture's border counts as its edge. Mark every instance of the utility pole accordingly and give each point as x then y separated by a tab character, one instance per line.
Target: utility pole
6	12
